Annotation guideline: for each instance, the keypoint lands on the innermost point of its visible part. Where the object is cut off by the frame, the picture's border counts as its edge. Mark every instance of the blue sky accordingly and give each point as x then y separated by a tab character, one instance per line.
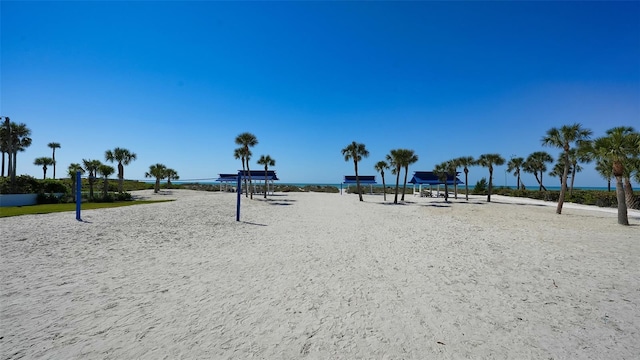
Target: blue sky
175	82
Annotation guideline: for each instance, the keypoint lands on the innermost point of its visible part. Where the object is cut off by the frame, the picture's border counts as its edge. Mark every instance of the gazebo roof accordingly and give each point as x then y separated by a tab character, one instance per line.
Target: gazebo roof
429	178
364	179
255	175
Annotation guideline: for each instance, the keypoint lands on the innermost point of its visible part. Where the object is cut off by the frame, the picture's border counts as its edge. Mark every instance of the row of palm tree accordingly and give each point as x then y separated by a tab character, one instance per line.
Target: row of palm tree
14	138
248	140
617	154
161	172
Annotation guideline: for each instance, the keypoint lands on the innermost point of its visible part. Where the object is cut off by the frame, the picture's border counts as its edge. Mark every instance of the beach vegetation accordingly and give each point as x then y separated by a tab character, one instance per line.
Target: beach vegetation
621	148
488	161
171	174
515	166
536	164
122	157
247	140
157	171
54	146
442	171
267	161
481	187
72	171
380	167
356	151
105	171
52	208
466	162
14	138
91	166
565	138
45	162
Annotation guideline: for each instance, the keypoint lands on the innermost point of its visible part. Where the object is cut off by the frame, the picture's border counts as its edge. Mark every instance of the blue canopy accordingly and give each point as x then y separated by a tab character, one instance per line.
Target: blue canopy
364	179
255	175
429	178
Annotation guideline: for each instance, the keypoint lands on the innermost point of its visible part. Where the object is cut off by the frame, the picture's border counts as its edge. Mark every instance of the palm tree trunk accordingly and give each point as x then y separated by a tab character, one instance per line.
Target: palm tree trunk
157	187
120	177
355	164
455	185
622	205
563	186
54	163
395	200
105	188
490	185
630	199
384	187
573	178
535	173
466	183
609	185
3	164
249	173
518	185
404	187
265	181
446	192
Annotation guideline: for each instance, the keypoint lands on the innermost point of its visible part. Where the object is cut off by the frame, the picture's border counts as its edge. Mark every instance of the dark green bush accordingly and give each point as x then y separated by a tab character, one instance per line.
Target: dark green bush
43	198
125	196
481	187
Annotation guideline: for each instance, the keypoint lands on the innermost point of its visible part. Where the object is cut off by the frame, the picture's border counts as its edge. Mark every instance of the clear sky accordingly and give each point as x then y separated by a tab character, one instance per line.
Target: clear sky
176	82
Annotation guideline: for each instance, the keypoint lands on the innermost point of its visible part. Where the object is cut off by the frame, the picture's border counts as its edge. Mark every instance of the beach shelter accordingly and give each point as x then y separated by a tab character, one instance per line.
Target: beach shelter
257	177
364	179
421	178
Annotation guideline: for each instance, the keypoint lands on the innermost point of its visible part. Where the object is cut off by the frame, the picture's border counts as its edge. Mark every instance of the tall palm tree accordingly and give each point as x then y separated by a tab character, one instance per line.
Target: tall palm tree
580	154
20	141
54	146
604	167
355	151
157	171
123	157
564	138
92	167
247	140
465	162
4	141
408	157
44	162
514	166
267	161
442	171
244	155
535	164
171	174
395	162
105	171
488	161
380	166
73	171
618	146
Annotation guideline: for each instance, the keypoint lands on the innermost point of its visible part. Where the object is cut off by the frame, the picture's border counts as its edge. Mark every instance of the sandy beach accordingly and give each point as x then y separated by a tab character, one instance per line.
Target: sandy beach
321	276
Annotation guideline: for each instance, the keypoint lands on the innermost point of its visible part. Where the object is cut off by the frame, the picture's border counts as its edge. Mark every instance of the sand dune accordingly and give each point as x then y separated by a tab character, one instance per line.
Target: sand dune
308	275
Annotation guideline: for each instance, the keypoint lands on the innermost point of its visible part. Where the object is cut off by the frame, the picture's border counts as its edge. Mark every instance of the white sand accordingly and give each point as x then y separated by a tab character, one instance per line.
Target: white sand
321	276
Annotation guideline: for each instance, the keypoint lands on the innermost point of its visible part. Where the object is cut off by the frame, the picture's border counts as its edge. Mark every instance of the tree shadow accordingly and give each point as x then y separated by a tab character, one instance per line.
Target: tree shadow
251	223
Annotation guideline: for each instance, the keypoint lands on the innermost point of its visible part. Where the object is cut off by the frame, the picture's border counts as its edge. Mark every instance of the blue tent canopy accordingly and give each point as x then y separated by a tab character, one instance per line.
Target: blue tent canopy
364	179
257	175
429	178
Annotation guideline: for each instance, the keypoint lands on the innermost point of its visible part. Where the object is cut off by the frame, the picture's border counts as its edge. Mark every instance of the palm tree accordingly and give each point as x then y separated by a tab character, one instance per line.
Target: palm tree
442	171
580	154
267	161
54	146
557	171
618	147
4	141
244	155
92	167
408	157
380	166
123	157
488	160
535	164
105	171
604	167
355	151
171	174
44	162
515	165
72	171
247	140
19	141
395	162
465	162
157	171
564	138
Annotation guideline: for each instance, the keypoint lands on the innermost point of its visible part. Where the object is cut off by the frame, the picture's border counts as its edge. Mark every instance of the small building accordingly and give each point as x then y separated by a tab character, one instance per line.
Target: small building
257	179
364	180
423	178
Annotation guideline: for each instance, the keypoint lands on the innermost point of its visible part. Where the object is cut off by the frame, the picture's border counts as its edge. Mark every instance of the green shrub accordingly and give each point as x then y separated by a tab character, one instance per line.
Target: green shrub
43	198
481	187
125	196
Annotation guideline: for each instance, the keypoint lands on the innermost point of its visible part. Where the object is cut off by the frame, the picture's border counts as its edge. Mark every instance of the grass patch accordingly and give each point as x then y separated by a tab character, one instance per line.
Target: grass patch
51	208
